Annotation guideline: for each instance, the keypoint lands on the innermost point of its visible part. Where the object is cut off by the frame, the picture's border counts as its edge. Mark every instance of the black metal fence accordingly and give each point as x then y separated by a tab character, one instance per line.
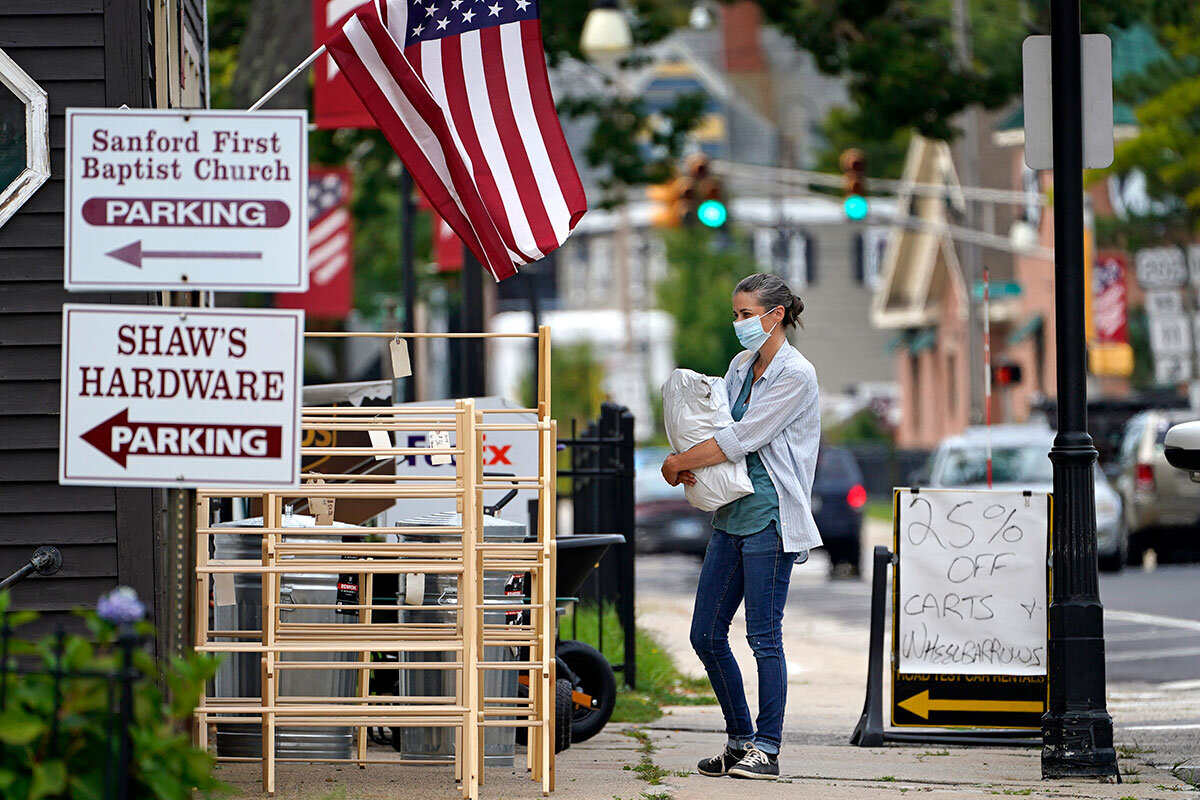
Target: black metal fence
601	475
119	685
884	468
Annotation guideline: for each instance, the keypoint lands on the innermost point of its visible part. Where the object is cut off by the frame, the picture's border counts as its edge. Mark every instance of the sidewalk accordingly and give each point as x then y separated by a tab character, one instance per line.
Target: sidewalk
614	765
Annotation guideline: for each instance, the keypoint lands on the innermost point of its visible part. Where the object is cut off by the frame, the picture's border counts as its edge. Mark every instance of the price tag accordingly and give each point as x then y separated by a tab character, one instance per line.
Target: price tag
439	439
380	441
321	507
223	594
401	365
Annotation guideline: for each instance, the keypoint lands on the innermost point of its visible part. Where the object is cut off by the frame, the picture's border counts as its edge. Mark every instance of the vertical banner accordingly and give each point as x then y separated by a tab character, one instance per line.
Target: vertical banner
1109	299
447	247
335	105
330	261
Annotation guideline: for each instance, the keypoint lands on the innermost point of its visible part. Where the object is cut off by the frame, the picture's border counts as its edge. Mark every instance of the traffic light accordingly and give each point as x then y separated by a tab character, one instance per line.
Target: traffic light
673	202
854	183
708	193
1006	374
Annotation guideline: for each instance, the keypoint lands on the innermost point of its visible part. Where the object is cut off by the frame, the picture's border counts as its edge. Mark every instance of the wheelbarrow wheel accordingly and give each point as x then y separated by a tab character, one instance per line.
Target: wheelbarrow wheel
596	680
562	715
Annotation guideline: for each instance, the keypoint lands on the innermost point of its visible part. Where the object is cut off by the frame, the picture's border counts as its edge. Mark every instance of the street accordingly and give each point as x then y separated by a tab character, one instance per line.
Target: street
1152	627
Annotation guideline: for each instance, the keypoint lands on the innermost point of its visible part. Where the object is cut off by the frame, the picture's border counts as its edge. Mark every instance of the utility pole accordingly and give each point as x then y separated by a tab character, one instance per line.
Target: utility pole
972	261
1077	731
473	379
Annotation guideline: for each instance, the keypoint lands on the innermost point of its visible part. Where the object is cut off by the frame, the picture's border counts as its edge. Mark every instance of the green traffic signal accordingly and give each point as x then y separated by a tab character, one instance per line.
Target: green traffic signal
712	213
856	207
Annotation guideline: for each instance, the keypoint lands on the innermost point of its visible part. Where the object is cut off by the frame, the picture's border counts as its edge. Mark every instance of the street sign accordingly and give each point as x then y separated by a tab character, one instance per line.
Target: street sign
186	199
1163	302
1172	368
1170	333
1096	63
180	397
1160	268
969	611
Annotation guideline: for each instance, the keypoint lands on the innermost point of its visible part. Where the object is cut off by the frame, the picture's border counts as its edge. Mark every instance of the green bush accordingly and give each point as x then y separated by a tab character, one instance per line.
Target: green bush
77	764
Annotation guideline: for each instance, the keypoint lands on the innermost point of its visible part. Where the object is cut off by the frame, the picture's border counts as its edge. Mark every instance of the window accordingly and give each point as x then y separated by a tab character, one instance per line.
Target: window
24	137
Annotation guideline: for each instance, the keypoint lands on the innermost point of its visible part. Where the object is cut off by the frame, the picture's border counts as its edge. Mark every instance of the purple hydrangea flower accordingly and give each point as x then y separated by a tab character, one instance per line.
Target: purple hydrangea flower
121	605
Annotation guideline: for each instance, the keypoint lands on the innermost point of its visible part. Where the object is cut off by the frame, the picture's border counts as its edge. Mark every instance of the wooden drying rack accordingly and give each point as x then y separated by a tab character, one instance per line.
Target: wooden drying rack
466	556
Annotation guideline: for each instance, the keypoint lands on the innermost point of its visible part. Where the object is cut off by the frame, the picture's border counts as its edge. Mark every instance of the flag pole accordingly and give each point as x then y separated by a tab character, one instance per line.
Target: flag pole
286	79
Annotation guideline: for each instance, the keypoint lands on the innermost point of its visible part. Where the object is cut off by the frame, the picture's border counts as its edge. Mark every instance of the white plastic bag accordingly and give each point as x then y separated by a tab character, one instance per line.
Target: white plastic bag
695	407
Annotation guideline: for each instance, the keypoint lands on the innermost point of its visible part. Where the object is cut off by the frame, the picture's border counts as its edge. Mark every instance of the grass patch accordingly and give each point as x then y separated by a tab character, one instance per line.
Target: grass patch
933	753
879	509
646	769
660	683
887	779
1130	750
1019	792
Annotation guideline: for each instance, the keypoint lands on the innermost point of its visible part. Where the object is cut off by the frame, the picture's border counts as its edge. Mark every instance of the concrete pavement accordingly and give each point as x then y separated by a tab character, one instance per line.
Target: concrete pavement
616	764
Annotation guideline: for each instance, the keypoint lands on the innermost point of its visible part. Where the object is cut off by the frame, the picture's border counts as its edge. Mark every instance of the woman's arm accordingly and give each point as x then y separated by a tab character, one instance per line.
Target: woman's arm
774	408
704	454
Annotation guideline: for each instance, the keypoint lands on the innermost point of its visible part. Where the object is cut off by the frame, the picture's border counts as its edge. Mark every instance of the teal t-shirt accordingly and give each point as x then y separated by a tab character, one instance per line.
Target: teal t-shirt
752	513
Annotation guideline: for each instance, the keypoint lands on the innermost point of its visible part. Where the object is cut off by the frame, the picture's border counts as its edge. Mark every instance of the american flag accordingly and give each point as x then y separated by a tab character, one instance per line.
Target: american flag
330	247
329	239
460	90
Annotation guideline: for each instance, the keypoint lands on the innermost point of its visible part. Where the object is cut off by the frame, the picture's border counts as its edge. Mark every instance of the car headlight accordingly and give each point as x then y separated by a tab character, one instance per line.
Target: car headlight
1105	507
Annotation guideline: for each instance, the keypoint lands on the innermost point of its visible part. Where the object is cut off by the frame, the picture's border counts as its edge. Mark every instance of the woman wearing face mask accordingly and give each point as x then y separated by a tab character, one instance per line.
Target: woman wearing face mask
757	538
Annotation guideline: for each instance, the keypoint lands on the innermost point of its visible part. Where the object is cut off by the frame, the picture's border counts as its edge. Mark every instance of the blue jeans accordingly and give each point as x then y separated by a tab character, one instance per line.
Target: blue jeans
732	563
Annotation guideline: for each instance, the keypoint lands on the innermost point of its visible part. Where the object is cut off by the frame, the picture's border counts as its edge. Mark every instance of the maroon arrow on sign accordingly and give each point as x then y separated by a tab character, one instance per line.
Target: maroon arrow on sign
118	438
133	254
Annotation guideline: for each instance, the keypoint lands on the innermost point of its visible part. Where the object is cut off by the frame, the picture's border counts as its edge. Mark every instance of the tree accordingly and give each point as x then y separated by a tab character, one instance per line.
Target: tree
899	59
576	386
1167	147
697	293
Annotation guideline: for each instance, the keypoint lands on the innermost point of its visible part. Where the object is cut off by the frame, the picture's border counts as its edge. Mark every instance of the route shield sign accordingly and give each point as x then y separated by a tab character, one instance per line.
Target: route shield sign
186	199
180	397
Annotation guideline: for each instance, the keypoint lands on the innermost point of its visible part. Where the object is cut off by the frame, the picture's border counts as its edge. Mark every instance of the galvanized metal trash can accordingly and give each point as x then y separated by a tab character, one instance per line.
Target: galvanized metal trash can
240	673
499	744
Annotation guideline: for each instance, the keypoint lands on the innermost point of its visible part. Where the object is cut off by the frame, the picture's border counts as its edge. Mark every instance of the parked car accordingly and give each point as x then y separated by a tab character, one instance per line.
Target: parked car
666	523
838	497
1020	461
663	520
1162	504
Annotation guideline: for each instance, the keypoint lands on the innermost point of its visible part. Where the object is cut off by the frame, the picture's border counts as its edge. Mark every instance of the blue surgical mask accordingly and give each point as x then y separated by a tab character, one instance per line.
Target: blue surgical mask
750	332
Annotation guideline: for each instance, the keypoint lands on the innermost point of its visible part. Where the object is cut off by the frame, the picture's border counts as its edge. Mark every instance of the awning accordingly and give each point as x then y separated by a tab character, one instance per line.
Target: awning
923	340
1031	327
916	340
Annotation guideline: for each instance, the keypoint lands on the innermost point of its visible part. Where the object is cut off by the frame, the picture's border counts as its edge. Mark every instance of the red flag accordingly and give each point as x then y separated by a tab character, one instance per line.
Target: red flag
330	248
461	92
334	104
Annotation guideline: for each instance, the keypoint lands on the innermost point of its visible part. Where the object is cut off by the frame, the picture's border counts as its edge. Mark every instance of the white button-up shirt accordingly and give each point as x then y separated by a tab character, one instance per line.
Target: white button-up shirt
783	425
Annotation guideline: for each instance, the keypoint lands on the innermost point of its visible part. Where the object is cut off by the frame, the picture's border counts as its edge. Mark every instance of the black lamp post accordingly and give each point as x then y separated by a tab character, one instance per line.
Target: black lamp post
1077	731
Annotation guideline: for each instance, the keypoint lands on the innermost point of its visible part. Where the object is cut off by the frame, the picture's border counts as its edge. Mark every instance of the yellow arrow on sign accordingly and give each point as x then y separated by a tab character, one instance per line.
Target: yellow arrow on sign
921	704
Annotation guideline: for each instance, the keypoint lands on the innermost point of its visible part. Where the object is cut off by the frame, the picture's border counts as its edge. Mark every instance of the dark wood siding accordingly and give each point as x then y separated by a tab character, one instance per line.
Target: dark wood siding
83	53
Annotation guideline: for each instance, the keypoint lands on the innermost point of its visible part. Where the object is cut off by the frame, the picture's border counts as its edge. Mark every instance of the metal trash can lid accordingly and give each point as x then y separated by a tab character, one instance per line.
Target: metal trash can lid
492	526
289	521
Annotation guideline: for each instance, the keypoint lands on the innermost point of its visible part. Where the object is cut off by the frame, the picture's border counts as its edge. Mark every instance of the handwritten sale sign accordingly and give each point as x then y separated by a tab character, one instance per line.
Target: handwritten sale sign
186	199
180	397
971	586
